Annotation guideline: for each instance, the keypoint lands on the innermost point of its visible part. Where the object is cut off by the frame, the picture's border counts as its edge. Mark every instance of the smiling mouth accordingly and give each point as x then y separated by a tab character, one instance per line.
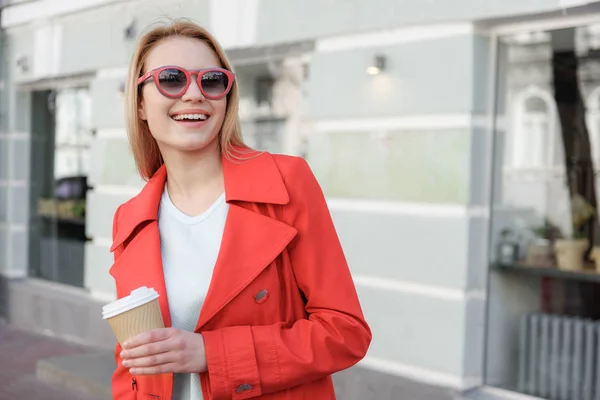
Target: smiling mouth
190	117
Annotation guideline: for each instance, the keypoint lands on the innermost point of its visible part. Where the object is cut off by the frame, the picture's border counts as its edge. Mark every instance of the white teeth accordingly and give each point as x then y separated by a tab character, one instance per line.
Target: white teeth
181	117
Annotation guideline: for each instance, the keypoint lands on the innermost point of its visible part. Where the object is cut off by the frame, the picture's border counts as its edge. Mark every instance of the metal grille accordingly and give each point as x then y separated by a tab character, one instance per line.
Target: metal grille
558	357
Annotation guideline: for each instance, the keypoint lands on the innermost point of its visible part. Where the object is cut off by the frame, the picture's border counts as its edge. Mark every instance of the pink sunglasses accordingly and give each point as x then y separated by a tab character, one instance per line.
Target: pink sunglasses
173	81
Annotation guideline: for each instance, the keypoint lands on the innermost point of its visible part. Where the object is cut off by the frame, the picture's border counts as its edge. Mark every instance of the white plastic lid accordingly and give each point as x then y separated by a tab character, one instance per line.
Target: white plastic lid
138	297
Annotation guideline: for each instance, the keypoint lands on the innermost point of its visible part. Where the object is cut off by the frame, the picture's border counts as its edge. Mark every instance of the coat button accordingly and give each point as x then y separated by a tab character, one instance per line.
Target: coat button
244	387
261	296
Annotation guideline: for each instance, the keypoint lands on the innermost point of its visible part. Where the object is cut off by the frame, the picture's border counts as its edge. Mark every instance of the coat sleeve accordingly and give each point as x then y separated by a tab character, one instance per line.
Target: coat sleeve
248	361
121	379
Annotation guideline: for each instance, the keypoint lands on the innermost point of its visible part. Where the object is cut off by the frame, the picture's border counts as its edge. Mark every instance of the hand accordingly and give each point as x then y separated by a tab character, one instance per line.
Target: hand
165	350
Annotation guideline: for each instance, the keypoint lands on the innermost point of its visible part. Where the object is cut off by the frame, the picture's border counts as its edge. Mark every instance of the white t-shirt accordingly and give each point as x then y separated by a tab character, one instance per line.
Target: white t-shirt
189	247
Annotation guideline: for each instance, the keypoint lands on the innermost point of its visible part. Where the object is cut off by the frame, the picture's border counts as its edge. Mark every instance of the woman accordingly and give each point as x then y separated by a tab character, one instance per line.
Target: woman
255	292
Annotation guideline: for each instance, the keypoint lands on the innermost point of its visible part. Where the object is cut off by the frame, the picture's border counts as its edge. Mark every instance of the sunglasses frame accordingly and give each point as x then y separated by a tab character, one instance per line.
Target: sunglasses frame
155	73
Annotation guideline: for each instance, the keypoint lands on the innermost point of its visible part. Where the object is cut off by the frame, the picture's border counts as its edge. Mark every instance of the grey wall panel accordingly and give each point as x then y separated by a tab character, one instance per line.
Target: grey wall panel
20	250
3	247
21	111
19	196
98	260
410	248
428	166
160	11
359	383
483	68
422	332
480	155
474	338
108	104
477	253
113	164
20	160
411	83
4	77
68	313
95	38
4	154
3	203
91	41
281	21
105	44
480	166
19	45
102	208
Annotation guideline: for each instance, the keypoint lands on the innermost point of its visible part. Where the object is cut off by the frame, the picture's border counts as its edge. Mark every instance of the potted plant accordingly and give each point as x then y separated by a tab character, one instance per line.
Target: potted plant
540	251
570	252
595	257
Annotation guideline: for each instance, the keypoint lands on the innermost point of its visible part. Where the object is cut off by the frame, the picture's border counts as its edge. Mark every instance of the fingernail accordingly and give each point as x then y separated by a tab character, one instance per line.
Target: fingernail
123	354
126	344
126	363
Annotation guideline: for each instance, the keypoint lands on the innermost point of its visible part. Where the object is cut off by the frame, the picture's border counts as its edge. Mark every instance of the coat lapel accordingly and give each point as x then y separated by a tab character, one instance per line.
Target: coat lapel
251	240
140	264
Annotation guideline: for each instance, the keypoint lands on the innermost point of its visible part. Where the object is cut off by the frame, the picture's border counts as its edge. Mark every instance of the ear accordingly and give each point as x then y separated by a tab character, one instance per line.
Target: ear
142	111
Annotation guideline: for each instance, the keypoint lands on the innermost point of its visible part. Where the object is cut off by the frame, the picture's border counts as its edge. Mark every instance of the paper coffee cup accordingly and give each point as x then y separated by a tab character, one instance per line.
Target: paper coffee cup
134	314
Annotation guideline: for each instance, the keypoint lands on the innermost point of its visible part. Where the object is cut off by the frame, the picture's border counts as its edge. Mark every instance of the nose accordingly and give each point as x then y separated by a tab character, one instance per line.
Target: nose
193	93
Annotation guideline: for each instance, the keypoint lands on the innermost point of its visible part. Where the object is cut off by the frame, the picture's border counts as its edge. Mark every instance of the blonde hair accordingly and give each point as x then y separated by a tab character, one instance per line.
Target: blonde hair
144	147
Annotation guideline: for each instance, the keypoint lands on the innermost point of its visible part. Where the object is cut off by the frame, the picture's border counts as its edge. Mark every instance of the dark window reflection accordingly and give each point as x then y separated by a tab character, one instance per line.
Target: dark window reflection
60	165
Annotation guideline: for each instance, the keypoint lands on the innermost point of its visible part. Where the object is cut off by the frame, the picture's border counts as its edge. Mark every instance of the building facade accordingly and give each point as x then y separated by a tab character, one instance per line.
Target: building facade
434	128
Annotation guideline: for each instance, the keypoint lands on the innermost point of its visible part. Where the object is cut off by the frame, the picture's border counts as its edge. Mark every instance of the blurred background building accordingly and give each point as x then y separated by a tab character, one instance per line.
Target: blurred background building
457	142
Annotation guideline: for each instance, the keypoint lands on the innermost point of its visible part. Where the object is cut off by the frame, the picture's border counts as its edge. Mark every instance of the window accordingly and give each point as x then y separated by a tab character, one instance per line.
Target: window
534	131
60	164
544	293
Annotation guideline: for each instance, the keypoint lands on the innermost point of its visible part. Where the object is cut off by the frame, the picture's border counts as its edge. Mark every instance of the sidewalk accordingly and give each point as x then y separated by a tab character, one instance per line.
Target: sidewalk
19	353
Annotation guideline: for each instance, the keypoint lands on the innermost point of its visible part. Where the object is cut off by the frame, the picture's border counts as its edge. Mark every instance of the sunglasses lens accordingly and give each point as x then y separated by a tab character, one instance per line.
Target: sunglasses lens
172	81
214	83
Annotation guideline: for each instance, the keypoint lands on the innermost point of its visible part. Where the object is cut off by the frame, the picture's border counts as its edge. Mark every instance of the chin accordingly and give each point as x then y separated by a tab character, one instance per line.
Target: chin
195	144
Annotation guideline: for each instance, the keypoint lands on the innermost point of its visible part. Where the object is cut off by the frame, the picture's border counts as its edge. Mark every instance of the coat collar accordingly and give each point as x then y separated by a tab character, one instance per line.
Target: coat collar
250	176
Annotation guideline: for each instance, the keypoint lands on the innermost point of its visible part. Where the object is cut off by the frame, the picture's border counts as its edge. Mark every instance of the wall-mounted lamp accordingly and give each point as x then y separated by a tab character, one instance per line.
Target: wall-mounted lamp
376	65
130	30
121	90
22	63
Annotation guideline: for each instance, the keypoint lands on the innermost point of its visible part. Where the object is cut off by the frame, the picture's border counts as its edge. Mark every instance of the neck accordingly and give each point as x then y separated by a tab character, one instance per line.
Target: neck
193	174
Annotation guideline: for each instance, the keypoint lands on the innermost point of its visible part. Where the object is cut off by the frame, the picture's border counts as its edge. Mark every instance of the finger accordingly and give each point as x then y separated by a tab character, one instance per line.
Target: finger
147	350
156	370
151	361
154	335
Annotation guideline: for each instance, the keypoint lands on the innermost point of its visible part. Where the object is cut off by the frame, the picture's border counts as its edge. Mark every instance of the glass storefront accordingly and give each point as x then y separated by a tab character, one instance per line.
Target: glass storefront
60	159
543	329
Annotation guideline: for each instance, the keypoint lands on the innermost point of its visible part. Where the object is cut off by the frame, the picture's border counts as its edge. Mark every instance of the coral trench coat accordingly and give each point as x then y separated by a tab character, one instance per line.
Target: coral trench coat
281	313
